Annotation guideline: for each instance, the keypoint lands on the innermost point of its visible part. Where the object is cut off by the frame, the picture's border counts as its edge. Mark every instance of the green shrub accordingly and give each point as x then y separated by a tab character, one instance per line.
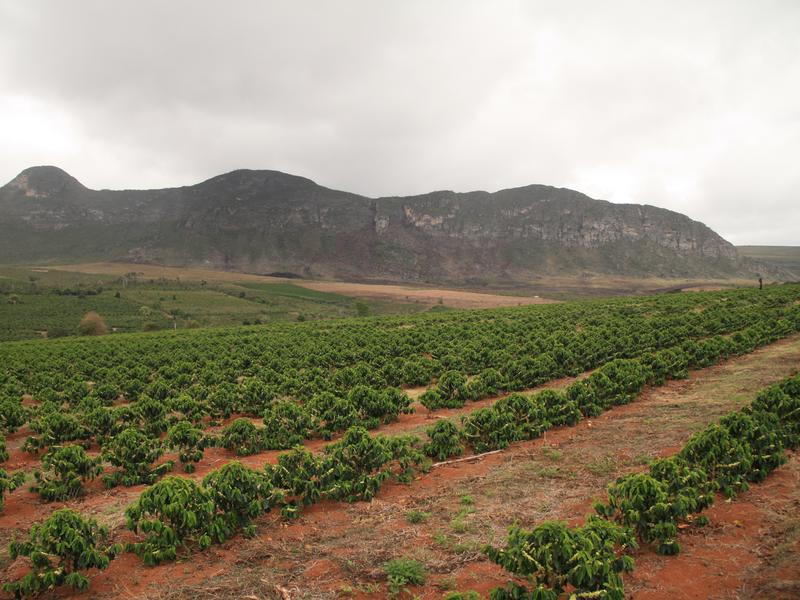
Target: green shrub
172	513
59	548
555	557
445	440
8	483
240	495
243	437
286	424
133	453
190	443
65	470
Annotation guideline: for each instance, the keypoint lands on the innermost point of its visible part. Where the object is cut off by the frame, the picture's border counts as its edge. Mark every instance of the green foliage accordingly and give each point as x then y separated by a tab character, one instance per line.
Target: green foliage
12	414
286	424
445	440
55	428
243	438
470	595
9	482
239	494
554	557
559	410
190	408
487	429
172	513
416	517
334	413
59	548
488	382
65	469
190	443
401	572
133	453
299	474
648	506
355	467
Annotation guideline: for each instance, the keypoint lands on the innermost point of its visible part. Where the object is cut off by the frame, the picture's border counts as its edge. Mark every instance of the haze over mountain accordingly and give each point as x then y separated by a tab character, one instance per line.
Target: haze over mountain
273	222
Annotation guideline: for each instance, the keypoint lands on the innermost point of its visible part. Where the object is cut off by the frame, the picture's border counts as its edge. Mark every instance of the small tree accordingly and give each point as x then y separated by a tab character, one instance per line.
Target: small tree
59	548
12	415
65	470
92	324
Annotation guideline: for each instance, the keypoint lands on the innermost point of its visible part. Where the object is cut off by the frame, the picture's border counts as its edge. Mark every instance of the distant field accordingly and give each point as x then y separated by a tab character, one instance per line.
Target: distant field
547	288
45	302
787	257
453	298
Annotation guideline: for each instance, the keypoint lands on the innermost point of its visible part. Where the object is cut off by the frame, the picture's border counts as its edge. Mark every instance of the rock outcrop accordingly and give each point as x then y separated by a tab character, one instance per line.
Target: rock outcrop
267	221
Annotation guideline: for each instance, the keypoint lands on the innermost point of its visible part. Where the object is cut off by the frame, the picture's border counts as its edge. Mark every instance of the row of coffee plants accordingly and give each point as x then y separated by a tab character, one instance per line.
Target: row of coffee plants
647	508
179	513
519	417
213	374
90	413
128	434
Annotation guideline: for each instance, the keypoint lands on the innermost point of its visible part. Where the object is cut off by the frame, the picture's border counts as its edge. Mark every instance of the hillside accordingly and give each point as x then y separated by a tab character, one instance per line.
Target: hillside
272	222
783	257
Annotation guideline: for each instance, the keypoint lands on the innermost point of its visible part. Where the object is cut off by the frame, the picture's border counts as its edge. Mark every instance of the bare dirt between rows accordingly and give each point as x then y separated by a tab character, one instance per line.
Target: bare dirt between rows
337	550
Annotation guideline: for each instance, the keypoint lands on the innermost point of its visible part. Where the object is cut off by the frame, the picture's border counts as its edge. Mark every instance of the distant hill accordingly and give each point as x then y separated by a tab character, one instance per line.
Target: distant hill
782	257
272	222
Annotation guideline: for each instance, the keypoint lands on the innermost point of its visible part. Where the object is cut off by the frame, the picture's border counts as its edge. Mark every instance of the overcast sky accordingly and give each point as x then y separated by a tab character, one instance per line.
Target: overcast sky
693	106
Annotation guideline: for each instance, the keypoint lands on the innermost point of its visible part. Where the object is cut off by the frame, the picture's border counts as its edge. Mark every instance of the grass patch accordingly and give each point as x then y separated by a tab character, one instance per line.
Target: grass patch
416	517
602	467
401	572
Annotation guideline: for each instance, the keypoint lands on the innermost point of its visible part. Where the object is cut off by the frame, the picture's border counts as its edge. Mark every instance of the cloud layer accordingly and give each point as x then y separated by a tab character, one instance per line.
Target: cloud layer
693	106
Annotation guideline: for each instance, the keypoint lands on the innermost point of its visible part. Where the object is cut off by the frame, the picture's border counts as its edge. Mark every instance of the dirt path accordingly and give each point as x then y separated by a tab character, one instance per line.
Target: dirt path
336	550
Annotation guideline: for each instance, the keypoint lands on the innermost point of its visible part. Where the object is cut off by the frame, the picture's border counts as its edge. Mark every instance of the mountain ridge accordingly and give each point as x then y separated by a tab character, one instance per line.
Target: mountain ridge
267	221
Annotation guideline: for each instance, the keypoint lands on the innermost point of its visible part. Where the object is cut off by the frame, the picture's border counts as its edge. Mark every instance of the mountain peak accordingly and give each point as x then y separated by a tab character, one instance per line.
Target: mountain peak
45	181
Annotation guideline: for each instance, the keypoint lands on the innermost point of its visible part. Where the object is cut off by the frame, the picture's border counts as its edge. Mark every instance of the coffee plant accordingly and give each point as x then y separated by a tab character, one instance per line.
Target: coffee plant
243	438
286	424
240	495
172	513
12	414
8	483
299	475
444	441
59	549
190	443
133	453
554	557
65	469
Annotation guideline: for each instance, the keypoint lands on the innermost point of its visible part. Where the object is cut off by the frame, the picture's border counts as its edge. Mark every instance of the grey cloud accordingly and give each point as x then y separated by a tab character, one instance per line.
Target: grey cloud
693	106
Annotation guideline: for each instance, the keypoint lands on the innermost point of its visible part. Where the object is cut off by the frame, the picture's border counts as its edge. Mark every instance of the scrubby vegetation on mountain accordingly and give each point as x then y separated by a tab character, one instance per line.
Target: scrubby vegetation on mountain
267	221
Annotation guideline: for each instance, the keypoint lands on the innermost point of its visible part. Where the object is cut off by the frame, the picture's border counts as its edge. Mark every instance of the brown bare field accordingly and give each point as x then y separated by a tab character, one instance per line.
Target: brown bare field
336	550
540	290
401	293
453	298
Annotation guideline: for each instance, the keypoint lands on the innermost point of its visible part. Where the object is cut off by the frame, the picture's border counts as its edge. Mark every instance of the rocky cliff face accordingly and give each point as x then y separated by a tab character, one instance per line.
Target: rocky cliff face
267	221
